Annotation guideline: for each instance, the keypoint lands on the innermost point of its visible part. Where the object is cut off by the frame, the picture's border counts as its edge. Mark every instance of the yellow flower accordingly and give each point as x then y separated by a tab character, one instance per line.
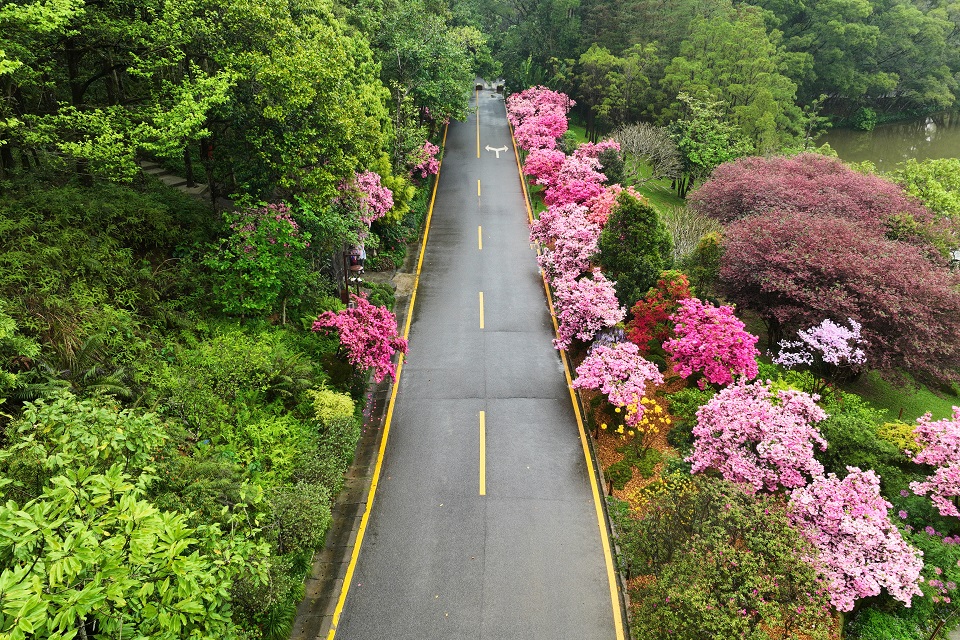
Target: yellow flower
631	433
657	409
620	429
603	426
617	409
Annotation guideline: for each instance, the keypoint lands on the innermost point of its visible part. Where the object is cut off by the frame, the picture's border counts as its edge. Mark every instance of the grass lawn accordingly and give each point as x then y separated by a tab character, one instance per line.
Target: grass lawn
660	195
912	399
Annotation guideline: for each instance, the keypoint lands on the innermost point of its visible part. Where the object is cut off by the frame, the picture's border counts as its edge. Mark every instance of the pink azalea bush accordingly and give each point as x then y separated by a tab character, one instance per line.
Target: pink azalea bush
828	342
368	336
759	438
543	165
859	550
425	161
584	307
578	181
574	244
620	373
367	196
601	205
539	117
548	227
594	150
712	341
940	442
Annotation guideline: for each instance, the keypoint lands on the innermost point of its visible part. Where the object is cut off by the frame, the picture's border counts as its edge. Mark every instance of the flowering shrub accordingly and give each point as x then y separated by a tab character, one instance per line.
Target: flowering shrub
367	196
621	374
584	307
711	340
261	263
549	225
575	243
578	181
651	324
425	161
539	117
827	343
601	205
940	447
368	335
859	550
595	150
543	165
755	436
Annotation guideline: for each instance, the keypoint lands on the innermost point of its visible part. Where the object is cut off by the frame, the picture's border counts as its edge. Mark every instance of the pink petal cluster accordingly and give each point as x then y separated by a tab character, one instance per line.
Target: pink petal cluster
828	342
712	341
602	205
368	335
367	196
574	241
547	227
584	307
941	449
543	165
859	549
621	374
755	437
578	180
539	117
594	150
425	161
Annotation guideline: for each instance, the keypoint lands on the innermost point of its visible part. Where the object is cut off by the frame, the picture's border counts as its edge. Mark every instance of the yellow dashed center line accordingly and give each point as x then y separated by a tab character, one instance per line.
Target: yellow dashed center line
480	238
481	309
483	453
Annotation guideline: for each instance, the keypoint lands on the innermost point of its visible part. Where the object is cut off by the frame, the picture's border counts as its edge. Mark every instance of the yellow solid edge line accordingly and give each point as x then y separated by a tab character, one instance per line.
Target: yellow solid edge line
480	238
348	577
598	506
481	309
477	100
483	453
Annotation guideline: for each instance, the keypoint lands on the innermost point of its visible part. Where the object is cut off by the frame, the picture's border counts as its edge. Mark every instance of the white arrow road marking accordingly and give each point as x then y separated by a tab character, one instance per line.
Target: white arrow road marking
497	150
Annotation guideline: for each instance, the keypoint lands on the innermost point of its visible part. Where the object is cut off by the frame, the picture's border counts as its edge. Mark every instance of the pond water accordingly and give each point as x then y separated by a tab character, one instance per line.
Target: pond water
935	136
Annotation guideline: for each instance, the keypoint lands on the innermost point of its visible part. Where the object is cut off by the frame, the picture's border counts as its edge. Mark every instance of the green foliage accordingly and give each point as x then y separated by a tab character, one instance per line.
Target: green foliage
635	247
620	473
900	435
705	139
703	265
719	563
16	354
329	406
683	406
381	294
77	517
935	182
865	119
299	518
874	624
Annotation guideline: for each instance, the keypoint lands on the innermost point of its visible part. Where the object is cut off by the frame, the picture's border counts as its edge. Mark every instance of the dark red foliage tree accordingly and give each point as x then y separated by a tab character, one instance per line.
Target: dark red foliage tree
796	268
812	183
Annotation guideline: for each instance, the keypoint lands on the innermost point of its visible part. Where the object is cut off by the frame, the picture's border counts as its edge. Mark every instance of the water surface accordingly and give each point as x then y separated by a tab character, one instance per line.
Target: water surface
935	136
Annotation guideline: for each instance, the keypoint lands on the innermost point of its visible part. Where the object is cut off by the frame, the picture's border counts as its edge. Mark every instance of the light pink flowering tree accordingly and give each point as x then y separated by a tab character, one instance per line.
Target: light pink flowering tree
539	117
584	307
547	227
859	550
940	442
759	438
712	341
424	162
594	150
601	205
827	343
368	336
574	245
621	374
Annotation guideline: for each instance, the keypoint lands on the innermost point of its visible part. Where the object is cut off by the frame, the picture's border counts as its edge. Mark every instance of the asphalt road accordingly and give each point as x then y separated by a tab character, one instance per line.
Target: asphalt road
439	560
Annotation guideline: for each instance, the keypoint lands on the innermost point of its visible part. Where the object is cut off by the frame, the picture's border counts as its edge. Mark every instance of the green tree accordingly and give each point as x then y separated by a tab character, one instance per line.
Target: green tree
732	55
935	182
635	247
705	140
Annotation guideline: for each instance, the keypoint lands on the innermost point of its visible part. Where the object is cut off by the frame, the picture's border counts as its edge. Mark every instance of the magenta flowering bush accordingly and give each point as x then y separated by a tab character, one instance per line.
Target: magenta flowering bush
859	550
578	181
425	162
584	307
828	343
940	442
543	165
621	374
547	227
712	341
759	438
366	196
368	336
